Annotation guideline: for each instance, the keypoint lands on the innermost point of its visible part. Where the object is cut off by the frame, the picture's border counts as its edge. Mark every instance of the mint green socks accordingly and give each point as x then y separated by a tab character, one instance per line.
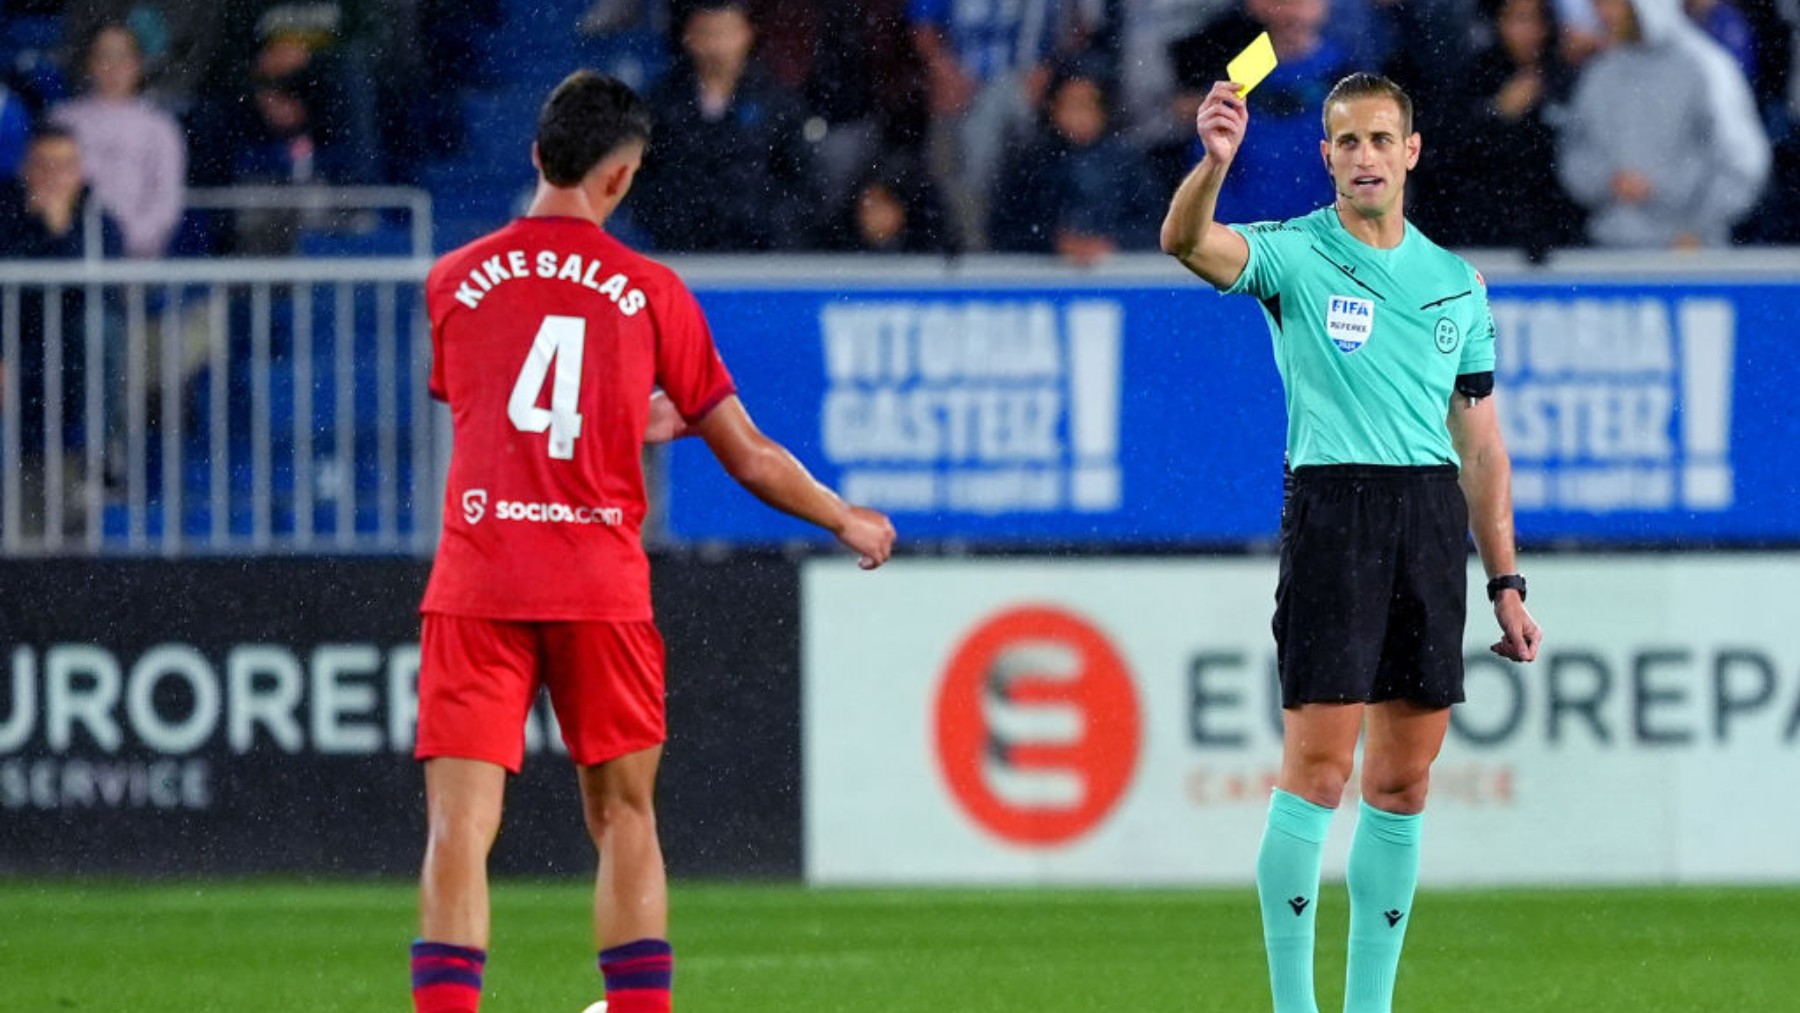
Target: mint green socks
1287	882
1383	870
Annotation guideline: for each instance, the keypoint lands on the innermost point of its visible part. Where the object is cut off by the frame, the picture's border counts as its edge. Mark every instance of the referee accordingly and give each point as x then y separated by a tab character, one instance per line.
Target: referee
1385	346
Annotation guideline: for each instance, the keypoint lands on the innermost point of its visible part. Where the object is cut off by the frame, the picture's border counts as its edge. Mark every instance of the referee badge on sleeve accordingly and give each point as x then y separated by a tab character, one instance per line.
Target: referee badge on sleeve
1348	321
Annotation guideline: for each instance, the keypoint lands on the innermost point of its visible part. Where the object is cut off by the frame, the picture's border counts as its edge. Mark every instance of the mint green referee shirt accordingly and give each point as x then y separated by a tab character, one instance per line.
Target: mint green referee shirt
1368	342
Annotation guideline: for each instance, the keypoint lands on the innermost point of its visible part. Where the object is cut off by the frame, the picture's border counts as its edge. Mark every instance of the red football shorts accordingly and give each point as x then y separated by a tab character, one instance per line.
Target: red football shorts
478	678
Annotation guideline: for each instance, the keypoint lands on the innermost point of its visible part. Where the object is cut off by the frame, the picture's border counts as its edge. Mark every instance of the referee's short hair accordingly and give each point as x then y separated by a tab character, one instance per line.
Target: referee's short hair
587	117
1365	85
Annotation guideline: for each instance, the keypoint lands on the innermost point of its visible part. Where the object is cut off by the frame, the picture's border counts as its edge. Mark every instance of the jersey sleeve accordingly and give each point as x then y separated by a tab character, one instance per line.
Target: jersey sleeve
1272	248
1478	350
688	366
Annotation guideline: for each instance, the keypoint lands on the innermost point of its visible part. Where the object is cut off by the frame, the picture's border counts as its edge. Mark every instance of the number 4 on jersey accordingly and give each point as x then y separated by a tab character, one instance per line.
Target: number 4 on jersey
560	341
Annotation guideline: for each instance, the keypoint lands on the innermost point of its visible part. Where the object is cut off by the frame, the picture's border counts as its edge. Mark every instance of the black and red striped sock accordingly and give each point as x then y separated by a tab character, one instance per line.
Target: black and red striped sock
446	978
638	976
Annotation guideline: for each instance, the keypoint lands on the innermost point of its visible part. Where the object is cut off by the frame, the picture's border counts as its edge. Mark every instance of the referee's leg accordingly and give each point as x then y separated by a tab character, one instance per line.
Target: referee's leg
1402	740
1318	747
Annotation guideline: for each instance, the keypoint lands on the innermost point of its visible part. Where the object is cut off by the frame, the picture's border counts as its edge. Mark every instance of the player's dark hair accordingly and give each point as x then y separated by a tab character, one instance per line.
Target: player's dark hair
1364	85
588	117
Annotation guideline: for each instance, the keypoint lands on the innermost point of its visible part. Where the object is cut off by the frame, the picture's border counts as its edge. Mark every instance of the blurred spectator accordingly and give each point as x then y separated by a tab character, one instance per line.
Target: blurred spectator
281	124
43	212
286	148
892	207
1076	189
1727	26
603	17
1682	172
1430	44
728	168
1146	72
1369	32
856	70
177	41
135	155
1278	173
43	215
318	51
986	66
1492	180
1773	27
15	128
1582	32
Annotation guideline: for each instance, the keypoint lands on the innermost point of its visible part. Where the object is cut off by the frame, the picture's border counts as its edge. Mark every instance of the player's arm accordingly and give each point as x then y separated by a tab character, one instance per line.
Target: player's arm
1190	232
772	475
1487	486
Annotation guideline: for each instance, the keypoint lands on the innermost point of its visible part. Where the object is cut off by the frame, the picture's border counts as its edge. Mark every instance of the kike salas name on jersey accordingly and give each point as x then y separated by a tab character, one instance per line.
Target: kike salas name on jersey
555	265
548	337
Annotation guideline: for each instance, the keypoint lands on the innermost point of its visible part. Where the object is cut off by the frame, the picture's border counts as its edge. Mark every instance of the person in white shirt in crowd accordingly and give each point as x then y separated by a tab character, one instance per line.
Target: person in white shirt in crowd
134	154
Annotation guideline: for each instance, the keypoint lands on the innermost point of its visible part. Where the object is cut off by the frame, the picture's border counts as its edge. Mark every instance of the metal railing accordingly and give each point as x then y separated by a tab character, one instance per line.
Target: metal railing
313	207
218	406
315	204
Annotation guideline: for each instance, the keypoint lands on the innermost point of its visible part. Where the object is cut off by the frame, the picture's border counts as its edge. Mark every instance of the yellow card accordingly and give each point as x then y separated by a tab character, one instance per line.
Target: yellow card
1248	68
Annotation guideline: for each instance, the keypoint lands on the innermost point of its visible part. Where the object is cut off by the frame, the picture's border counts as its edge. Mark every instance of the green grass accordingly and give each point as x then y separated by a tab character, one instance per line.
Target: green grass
339	947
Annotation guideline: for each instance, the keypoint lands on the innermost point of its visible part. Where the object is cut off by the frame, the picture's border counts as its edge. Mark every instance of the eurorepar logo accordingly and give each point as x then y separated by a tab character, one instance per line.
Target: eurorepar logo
1037	726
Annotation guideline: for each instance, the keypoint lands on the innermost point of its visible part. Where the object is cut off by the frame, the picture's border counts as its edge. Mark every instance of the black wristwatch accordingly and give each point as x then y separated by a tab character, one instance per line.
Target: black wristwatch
1504	581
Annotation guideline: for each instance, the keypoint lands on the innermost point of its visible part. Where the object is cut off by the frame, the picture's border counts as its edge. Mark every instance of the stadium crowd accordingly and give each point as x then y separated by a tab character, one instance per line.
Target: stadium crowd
1038	126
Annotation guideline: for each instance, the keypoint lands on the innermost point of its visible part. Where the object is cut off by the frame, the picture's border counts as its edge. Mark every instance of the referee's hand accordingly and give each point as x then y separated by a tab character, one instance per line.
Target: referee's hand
1221	122
1519	633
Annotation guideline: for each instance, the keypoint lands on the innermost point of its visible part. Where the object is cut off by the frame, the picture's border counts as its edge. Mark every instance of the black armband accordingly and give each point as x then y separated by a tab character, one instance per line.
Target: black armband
1475	386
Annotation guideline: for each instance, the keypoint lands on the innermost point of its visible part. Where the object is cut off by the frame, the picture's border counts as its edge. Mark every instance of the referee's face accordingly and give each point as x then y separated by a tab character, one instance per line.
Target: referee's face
1369	153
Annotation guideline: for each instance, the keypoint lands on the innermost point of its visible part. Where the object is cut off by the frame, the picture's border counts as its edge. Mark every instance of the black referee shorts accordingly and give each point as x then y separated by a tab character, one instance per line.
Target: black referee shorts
1373	591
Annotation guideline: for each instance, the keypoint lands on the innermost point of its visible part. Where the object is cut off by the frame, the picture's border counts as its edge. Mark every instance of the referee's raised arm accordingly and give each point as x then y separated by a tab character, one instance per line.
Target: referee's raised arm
1189	232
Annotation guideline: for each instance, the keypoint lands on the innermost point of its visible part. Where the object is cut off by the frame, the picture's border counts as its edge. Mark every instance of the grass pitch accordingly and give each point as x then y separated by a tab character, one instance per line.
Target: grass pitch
340	947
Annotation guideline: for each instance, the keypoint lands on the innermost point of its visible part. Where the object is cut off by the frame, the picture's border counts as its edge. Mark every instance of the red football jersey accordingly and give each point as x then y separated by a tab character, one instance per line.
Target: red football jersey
548	337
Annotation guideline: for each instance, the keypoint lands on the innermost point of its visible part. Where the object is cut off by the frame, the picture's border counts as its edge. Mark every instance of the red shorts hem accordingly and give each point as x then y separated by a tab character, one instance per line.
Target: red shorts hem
479	681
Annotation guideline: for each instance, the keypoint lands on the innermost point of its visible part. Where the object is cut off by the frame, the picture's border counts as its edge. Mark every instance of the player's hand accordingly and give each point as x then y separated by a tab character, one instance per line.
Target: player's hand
1221	122
869	534
666	423
1519	633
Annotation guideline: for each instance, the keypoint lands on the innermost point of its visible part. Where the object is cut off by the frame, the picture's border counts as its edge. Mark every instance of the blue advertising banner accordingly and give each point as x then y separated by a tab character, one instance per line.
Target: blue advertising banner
1652	414
1030	415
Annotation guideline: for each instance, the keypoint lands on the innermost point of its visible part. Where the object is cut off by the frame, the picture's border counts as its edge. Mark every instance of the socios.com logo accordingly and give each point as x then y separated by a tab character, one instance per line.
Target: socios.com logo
1038	730
474	504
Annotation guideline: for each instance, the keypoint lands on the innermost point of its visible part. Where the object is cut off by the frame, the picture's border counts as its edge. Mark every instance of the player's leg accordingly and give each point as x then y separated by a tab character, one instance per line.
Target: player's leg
463	800
606	681
1318	747
631	901
1403	738
476	680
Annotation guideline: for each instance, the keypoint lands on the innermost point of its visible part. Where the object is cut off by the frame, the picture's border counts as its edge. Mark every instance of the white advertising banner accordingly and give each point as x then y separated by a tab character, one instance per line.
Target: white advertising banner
1118	721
